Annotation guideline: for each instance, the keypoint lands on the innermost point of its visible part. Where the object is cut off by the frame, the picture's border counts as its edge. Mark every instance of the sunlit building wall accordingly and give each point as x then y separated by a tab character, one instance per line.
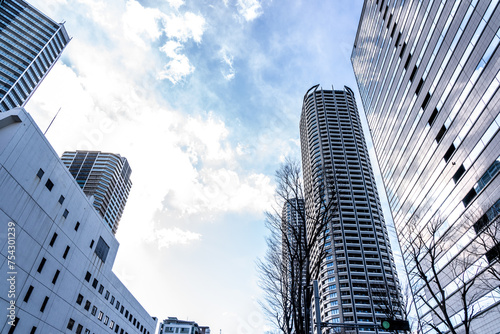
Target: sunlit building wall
30	44
64	252
358	282
428	76
105	177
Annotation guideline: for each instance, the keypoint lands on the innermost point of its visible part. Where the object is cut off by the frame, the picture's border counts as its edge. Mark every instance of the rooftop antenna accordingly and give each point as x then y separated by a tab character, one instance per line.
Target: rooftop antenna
57	113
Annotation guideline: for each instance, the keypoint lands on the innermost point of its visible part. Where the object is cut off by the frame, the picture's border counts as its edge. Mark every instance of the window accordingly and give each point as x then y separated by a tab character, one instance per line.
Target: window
14	326
56	275
121	309
79	329
61	199
449	153
112	300
77	226
87	277
126	314
71	323
433	116
92	244
440	134
66	252
65	214
54	237
106	296
117	305
106	320
493	254
33	330
94	283
101	289
102	249
40	266
100	315
49	185
94	310
44	304
40	173
28	294
111	324
459	173
87	305
79	299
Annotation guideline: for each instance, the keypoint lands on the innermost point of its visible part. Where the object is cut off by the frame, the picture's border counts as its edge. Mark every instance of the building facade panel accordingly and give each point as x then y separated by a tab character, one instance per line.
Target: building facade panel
437	144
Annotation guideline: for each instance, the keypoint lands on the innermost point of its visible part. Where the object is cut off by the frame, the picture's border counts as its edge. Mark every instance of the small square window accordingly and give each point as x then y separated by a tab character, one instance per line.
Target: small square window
45	301
71	323
40	266
87	276
54	237
112	300
94	283
106	296
66	252
92	244
100	315
49	185
65	214
61	199
79	329
94	310
40	173
101	289
79	299
77	226
87	305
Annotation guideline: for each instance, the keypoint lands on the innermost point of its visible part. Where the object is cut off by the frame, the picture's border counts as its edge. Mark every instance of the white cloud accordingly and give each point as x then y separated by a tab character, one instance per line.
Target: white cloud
179	66
140	22
184	27
175	3
167	237
249	9
228	60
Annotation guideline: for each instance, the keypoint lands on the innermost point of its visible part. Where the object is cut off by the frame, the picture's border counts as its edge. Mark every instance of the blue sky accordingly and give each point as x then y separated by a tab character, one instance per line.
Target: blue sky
204	100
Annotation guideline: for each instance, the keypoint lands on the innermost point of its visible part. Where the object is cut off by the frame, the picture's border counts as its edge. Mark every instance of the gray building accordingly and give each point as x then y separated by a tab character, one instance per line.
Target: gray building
105	177
30	44
428	74
358	283
56	248
174	325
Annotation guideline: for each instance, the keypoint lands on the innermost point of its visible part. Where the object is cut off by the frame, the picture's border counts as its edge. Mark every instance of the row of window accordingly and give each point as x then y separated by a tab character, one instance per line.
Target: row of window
128	315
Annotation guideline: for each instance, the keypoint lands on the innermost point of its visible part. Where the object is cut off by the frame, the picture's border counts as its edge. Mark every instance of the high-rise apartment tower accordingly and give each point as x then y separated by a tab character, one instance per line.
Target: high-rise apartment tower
358	283
428	73
106	177
30	44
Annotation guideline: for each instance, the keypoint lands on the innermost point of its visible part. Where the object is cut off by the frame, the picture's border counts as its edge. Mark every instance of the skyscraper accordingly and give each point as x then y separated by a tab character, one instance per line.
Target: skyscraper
30	44
428	75
106	177
358	283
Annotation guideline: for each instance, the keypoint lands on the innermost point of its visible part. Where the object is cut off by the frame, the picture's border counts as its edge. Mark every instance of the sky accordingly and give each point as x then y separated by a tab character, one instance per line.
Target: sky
204	99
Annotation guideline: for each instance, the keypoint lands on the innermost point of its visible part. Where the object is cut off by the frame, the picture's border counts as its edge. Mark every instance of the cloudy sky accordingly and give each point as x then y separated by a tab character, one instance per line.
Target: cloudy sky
203	97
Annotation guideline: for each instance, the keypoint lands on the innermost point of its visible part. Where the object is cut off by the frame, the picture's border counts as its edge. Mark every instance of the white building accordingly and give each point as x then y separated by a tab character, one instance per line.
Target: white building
174	325
63	253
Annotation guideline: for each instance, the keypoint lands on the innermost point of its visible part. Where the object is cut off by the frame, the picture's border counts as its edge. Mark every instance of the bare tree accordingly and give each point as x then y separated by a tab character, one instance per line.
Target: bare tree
445	285
295	250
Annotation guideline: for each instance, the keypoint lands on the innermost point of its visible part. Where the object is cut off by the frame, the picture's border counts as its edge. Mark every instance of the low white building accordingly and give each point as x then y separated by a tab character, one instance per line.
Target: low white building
174	325
55	247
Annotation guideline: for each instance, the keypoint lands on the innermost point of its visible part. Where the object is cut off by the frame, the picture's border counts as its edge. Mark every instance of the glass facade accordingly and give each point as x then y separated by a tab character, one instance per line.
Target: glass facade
433	114
358	283
30	44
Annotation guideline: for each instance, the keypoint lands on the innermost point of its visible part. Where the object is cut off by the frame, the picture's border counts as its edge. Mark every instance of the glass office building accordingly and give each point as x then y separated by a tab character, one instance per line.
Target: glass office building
358	283
428	74
105	177
30	44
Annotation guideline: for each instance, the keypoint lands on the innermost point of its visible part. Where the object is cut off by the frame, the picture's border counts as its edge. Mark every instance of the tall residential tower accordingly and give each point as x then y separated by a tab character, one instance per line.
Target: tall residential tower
105	177
428	74
358	283
30	44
